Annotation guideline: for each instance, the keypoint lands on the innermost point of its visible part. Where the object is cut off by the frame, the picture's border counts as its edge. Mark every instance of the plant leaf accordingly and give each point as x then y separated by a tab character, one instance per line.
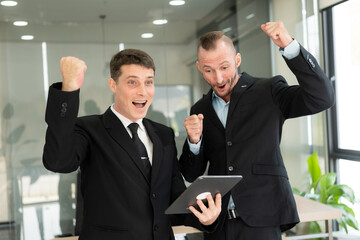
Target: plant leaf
348	216
351	221
342	223
344	208
29	162
342	190
296	191
314	168
314	227
8	111
15	135
325	182
312	196
29	141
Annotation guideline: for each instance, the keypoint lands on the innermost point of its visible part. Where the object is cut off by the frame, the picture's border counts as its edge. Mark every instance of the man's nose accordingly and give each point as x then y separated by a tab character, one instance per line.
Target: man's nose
141	89
219	77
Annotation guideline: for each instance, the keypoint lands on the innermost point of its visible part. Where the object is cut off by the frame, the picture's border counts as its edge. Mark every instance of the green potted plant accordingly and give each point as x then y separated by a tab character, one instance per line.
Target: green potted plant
323	189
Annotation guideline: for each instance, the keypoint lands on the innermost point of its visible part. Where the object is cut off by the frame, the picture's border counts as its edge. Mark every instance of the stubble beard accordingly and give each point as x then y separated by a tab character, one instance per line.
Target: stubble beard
231	87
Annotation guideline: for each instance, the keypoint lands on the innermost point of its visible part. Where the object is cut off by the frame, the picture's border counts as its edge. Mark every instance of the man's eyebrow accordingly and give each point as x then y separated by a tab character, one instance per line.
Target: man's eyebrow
226	61
223	62
132	76
137	77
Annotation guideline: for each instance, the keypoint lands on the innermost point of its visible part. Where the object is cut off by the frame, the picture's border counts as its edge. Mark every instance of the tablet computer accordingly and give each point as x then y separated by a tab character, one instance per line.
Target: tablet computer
199	189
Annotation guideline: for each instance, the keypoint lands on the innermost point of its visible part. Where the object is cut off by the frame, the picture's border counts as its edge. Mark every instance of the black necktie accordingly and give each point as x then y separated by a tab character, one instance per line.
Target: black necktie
141	148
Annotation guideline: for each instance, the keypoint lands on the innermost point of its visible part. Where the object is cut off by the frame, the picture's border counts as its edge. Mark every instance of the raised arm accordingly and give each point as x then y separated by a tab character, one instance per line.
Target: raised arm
314	93
65	144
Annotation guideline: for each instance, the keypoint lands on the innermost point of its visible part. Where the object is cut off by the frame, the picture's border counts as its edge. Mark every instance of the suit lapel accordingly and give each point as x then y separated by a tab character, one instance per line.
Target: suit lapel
242	85
157	149
117	131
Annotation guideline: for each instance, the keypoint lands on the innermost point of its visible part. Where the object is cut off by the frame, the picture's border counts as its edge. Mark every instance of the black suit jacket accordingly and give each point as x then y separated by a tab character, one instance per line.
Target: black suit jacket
250	143
119	201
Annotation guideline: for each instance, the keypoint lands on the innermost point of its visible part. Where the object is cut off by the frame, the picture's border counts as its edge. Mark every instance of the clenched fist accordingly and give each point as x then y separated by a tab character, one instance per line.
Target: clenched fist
194	126
278	33
72	70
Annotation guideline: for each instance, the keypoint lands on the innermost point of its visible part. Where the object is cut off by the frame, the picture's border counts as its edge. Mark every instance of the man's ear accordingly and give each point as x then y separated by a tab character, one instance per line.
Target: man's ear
112	84
238	60
198	65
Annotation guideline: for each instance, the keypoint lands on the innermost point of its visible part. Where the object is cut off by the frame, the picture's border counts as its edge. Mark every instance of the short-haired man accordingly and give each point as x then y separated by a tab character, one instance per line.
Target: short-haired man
237	126
129	166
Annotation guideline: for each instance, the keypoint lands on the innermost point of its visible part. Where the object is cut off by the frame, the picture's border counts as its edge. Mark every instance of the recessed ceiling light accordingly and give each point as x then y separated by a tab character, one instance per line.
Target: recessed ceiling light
160	21
27	37
147	35
251	15
177	2
9	3
228	29
20	23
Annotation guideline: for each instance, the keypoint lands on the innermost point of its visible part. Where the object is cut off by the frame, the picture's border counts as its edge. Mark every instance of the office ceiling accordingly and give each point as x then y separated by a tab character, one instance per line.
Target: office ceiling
125	21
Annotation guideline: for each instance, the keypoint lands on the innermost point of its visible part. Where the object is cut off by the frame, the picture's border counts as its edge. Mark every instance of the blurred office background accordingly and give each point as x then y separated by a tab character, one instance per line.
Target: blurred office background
39	204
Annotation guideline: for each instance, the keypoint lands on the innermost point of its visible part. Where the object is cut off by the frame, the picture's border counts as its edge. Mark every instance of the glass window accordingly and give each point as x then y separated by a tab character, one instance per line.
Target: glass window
343	61
348	173
346	19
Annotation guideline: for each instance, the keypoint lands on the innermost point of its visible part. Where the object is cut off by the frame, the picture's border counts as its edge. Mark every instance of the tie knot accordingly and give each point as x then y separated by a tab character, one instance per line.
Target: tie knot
133	128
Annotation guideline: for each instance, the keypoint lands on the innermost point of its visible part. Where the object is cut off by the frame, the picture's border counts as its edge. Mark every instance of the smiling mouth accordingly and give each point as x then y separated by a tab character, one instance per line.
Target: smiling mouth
139	104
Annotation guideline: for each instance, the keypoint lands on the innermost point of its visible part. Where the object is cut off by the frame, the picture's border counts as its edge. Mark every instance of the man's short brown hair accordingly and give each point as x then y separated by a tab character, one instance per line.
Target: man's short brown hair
127	57
208	40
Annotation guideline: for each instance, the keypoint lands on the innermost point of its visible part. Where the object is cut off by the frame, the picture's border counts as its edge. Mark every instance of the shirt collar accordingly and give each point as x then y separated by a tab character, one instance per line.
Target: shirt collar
125	121
219	99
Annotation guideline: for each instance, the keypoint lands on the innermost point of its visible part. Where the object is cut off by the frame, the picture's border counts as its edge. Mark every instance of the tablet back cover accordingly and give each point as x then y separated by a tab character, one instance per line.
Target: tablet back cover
200	188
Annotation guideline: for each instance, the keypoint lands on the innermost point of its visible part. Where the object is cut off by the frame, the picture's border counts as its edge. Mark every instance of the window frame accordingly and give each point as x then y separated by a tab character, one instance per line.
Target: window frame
335	152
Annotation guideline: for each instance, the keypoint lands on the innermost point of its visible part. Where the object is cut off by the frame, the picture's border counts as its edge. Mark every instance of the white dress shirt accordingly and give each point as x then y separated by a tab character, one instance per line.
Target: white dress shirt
144	137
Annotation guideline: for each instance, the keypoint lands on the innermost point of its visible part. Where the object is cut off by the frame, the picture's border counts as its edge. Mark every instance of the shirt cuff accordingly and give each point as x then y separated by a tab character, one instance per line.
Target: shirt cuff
291	51
194	147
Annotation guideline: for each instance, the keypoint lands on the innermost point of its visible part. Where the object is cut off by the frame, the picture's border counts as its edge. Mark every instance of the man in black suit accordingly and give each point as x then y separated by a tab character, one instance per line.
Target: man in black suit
130	173
237	126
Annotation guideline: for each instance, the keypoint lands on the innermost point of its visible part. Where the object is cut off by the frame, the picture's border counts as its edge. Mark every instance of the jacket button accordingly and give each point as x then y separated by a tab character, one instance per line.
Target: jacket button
156	227
229	143
153	196
64	105
231	168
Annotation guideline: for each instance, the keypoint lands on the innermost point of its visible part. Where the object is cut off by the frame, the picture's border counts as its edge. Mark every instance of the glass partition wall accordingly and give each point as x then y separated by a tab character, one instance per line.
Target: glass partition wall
35	34
39	204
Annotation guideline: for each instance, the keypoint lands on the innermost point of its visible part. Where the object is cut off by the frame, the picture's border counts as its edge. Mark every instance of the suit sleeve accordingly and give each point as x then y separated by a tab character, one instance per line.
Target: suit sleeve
192	165
65	143
314	93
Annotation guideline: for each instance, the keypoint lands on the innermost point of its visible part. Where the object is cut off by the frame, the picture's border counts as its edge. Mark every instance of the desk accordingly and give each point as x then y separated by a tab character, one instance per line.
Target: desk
176	229
310	210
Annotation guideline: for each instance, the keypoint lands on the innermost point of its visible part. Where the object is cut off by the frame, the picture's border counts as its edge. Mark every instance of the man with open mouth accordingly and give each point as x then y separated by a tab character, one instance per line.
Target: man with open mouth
129	166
